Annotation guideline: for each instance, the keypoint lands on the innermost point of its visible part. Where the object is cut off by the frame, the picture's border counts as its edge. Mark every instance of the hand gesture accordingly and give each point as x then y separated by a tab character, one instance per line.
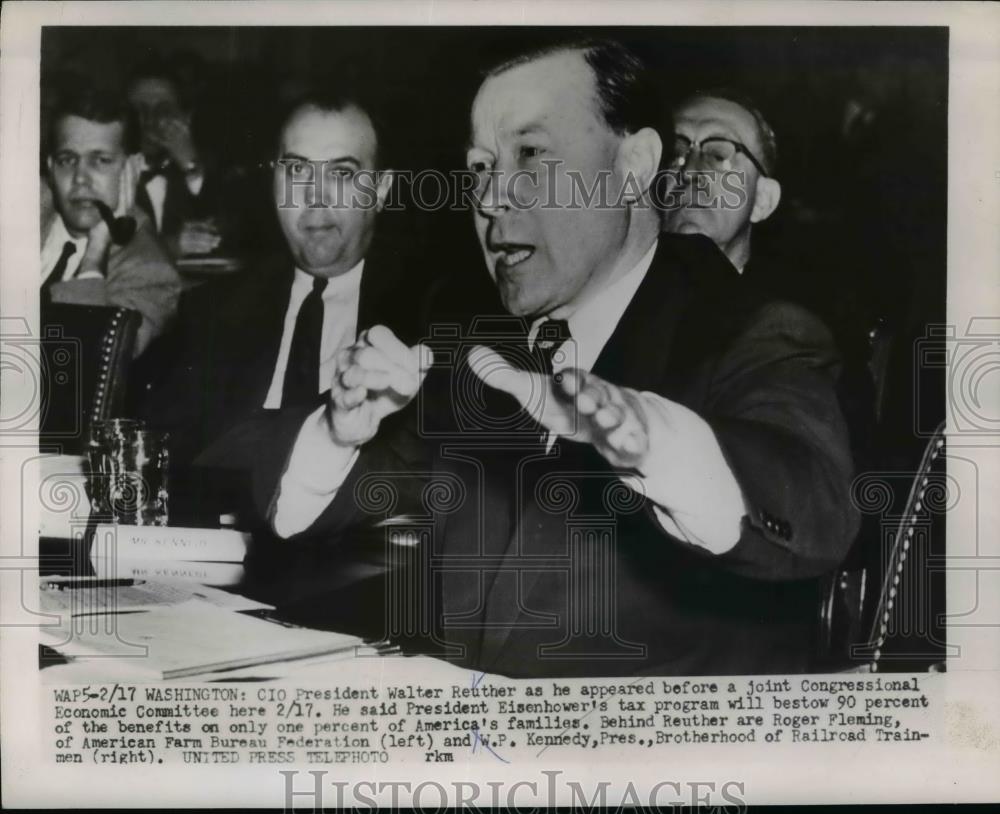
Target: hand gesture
173	133
576	405
95	256
376	376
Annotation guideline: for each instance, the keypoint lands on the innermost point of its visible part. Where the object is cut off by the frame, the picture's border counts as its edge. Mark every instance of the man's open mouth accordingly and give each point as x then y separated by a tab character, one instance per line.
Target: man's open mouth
318	229
513	254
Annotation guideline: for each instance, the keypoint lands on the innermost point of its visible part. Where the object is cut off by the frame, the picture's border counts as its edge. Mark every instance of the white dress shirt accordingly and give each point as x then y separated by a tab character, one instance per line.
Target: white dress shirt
57	237
694	493
340	325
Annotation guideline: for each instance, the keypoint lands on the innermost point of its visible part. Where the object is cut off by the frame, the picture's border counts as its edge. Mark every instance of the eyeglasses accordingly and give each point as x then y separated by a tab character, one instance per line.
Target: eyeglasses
717	152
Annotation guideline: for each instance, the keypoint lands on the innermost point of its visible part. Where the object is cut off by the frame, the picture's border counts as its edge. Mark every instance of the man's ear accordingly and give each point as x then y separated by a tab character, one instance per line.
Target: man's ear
638	160
382	187
765	199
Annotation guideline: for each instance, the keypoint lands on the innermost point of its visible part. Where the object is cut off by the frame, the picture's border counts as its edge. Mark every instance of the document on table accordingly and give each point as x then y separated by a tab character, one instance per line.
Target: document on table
80	596
191	638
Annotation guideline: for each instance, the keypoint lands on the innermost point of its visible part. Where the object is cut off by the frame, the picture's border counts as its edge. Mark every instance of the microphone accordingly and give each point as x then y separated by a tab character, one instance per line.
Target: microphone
121	228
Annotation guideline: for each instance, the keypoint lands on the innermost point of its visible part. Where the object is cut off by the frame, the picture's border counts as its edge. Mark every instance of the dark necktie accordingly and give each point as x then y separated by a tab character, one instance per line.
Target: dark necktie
548	340
59	269
301	385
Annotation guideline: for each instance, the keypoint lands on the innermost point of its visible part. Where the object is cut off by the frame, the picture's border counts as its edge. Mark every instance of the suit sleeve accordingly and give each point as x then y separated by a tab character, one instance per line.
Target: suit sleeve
141	277
379	483
773	408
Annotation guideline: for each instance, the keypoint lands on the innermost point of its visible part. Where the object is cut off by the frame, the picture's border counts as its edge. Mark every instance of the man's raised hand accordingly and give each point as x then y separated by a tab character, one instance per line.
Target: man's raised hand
376	376
576	405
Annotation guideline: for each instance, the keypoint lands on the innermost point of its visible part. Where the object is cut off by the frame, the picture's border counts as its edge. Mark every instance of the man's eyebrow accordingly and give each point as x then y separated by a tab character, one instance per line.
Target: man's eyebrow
719	128
524	130
344	159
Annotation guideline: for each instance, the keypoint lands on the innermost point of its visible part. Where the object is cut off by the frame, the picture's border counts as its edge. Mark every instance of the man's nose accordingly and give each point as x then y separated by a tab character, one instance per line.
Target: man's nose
494	195
81	173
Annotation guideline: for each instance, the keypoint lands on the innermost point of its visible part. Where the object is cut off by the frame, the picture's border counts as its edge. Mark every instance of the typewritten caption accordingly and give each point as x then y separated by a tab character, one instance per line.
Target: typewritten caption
510	722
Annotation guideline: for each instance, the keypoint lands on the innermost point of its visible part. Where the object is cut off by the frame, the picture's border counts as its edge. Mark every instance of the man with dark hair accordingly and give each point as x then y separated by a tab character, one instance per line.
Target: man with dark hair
644	464
87	163
177	188
268	341
720	135
626	96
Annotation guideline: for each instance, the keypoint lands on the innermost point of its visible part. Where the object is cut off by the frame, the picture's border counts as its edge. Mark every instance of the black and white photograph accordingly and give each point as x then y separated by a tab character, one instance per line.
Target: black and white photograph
452	394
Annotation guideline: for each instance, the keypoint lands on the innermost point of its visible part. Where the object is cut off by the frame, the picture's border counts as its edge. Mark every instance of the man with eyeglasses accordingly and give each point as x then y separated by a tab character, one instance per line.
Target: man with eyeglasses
90	132
721	172
247	348
720	184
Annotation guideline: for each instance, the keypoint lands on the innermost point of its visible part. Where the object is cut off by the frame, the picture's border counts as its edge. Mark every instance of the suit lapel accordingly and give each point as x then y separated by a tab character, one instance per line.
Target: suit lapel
643	353
254	337
639	350
385	298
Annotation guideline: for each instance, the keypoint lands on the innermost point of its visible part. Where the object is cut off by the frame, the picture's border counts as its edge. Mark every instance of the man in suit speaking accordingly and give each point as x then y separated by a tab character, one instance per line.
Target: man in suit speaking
651	469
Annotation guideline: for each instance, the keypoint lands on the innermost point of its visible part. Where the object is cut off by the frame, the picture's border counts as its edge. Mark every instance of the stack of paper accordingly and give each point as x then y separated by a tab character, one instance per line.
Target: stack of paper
169	632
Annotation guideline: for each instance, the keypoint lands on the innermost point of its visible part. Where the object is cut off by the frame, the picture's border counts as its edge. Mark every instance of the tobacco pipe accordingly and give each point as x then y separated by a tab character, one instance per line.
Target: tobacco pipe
121	228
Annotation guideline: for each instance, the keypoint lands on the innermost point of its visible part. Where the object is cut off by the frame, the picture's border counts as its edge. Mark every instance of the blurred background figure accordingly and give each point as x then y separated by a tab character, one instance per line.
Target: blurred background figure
175	185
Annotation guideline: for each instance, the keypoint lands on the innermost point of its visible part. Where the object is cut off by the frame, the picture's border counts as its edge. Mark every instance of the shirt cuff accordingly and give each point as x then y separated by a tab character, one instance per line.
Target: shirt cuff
316	469
89	275
696	496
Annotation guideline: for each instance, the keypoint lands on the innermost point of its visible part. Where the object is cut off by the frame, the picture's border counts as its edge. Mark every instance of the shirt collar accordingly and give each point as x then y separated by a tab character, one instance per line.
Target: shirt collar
145	166
349	281
59	234
593	321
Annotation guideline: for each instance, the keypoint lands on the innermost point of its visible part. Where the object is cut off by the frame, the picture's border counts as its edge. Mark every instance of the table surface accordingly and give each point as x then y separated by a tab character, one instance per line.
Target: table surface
336	585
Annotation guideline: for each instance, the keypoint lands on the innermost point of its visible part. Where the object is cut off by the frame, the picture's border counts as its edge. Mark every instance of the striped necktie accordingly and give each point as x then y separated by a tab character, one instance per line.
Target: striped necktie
551	336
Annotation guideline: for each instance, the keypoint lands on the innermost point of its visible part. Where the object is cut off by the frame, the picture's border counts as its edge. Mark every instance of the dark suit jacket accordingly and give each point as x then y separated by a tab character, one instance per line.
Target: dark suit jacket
545	564
211	375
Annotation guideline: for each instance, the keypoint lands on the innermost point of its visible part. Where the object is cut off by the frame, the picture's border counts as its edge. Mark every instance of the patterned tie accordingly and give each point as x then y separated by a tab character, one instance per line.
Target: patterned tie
58	270
301	386
551	336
